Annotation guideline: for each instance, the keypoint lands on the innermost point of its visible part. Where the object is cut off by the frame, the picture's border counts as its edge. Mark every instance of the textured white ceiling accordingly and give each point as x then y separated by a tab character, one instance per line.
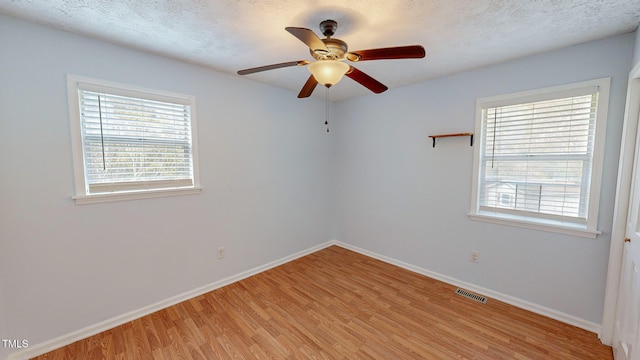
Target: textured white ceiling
229	35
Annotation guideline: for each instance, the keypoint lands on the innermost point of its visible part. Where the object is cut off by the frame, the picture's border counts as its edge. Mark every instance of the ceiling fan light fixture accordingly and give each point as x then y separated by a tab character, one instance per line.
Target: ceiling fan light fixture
328	72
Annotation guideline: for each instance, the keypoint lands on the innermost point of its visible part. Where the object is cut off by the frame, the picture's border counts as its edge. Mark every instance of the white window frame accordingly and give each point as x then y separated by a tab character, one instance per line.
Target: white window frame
82	194
587	229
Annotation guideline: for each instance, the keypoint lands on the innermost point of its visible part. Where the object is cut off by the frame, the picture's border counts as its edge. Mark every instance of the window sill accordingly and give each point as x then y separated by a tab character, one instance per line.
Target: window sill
133	195
536	224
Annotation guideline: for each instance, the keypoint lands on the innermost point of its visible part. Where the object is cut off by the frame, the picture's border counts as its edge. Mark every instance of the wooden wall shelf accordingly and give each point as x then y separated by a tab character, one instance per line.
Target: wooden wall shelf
434	137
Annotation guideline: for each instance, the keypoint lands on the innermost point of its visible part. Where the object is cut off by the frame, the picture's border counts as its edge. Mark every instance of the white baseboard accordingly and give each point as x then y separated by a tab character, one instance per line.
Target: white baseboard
39	349
523	304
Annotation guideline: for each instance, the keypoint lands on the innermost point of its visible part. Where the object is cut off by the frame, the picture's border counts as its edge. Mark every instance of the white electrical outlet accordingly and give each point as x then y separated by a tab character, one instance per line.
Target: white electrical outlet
475	256
221	252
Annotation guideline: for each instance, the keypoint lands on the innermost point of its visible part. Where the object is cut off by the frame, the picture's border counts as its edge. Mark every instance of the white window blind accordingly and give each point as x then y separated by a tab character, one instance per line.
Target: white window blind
537	155
135	144
132	141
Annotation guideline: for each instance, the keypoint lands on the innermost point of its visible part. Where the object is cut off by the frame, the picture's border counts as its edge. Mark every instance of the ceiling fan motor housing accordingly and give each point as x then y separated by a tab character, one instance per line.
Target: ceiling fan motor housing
337	50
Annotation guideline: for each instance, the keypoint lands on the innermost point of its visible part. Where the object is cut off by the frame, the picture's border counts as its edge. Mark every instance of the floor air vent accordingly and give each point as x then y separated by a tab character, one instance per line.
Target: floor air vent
471	295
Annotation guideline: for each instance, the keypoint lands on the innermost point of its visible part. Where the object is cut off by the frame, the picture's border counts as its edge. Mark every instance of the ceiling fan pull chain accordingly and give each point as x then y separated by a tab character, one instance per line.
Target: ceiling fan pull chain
326	107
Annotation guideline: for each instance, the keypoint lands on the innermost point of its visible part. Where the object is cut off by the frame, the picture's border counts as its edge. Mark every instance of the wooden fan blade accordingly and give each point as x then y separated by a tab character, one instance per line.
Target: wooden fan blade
308	87
366	80
273	66
309	38
399	52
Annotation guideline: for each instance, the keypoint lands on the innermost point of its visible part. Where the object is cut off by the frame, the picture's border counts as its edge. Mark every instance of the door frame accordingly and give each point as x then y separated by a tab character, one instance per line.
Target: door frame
623	191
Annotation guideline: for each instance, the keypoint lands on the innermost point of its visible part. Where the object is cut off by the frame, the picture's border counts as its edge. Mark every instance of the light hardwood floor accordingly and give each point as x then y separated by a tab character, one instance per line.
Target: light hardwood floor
337	304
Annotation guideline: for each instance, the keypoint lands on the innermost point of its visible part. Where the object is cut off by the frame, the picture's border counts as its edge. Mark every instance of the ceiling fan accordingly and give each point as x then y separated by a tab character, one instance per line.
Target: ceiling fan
330	53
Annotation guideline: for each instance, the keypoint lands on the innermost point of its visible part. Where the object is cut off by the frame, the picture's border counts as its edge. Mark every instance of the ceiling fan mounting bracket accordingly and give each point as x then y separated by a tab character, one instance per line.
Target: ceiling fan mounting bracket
328	27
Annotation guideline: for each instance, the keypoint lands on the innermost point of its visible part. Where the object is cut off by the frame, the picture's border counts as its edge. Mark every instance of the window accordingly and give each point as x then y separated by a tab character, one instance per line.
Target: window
505	199
539	159
131	143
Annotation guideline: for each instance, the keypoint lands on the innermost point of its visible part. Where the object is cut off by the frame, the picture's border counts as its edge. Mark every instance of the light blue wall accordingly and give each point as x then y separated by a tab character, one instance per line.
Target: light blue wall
399	197
264	164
